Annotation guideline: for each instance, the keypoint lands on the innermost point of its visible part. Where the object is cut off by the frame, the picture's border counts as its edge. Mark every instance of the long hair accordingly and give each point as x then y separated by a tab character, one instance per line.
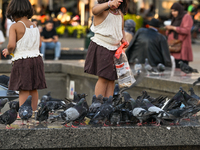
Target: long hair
123	7
18	9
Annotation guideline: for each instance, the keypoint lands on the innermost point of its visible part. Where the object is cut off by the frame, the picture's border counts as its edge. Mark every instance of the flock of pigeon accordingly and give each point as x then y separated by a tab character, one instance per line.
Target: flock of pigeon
116	110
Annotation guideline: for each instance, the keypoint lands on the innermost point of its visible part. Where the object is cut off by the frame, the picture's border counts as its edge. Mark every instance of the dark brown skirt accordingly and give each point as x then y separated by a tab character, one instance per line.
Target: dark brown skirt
99	61
27	74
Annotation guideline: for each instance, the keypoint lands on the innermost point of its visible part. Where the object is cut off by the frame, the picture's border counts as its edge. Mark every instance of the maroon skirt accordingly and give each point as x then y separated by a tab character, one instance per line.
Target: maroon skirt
99	61
27	74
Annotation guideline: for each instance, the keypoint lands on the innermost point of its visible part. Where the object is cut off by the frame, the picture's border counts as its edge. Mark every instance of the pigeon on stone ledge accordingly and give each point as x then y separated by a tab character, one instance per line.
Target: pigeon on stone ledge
73	113
191	90
9	116
186	68
140	113
25	110
148	67
105	111
196	82
16	103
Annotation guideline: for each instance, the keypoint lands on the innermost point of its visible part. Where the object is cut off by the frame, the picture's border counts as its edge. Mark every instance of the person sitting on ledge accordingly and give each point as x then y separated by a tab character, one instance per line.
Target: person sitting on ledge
149	43
49	40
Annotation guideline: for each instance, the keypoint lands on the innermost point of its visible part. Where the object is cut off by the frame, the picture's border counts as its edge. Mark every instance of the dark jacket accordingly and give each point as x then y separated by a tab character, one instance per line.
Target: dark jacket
148	43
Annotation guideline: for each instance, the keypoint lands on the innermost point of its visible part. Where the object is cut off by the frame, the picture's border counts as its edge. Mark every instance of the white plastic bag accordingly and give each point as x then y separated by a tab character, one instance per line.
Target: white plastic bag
124	73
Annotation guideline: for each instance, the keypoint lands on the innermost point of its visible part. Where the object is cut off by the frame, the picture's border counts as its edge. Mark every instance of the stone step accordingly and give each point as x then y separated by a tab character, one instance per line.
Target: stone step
66	54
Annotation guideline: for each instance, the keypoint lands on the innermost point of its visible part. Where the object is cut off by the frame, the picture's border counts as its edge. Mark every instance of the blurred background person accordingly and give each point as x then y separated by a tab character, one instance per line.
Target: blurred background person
180	29
149	43
49	40
35	21
129	27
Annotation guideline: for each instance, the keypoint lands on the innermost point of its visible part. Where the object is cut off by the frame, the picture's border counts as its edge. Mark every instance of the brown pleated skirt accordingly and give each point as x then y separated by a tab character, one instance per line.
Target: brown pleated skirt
27	74
99	61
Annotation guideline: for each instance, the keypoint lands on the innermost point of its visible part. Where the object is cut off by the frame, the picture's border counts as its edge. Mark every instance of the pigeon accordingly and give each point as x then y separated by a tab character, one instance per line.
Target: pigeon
160	114
16	103
116	91
191	90
174	102
148	67
160	67
25	110
96	103
42	114
3	101
140	113
186	68
190	101
196	82
9	116
105	111
137	67
73	113
176	115
116	115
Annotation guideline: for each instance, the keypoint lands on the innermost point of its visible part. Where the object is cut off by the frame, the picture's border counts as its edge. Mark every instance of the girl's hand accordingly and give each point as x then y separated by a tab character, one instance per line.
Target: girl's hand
5	52
115	3
123	41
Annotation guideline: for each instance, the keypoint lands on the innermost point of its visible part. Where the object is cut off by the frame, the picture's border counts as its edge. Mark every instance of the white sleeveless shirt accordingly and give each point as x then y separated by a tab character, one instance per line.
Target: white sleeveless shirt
28	45
109	33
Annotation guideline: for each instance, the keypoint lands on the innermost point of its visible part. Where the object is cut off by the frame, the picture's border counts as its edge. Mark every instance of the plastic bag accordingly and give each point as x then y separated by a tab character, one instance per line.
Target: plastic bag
124	73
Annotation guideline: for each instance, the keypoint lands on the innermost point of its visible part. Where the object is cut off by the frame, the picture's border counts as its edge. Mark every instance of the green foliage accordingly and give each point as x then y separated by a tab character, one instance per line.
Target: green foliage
138	20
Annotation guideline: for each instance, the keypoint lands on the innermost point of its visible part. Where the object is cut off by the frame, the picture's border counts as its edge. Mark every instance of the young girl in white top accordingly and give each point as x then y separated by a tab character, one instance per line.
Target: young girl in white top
108	26
27	74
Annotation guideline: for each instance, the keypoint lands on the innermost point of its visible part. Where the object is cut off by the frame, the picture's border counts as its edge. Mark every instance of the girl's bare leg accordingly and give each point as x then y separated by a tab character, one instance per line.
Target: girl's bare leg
34	102
23	95
101	86
110	88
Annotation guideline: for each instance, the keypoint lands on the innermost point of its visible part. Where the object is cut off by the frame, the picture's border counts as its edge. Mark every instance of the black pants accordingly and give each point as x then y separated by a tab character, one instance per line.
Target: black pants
177	62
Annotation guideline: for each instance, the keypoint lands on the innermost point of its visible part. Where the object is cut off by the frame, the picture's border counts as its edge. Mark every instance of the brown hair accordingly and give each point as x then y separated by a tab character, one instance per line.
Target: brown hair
122	7
18	9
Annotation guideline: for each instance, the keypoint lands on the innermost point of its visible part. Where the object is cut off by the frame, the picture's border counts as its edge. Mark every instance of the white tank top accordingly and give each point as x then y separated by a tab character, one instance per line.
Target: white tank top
28	45
109	33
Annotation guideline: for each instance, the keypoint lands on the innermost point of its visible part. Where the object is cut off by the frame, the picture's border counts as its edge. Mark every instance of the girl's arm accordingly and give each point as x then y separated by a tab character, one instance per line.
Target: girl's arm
123	32
12	41
99	8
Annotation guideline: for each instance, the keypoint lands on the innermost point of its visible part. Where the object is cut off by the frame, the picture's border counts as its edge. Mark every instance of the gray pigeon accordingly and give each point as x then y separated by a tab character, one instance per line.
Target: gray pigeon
105	111
25	110
137	67
9	116
148	67
73	113
196	82
175	101
190	101
160	67
191	90
186	68
96	103
3	101
116	115
16	103
159	113
140	113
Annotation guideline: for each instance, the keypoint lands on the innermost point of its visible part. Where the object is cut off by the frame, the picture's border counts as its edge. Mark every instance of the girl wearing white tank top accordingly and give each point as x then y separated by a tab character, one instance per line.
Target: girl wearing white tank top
108	26
27	74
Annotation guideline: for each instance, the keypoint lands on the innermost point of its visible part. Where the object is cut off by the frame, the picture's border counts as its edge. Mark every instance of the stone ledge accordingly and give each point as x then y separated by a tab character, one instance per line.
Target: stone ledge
113	137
